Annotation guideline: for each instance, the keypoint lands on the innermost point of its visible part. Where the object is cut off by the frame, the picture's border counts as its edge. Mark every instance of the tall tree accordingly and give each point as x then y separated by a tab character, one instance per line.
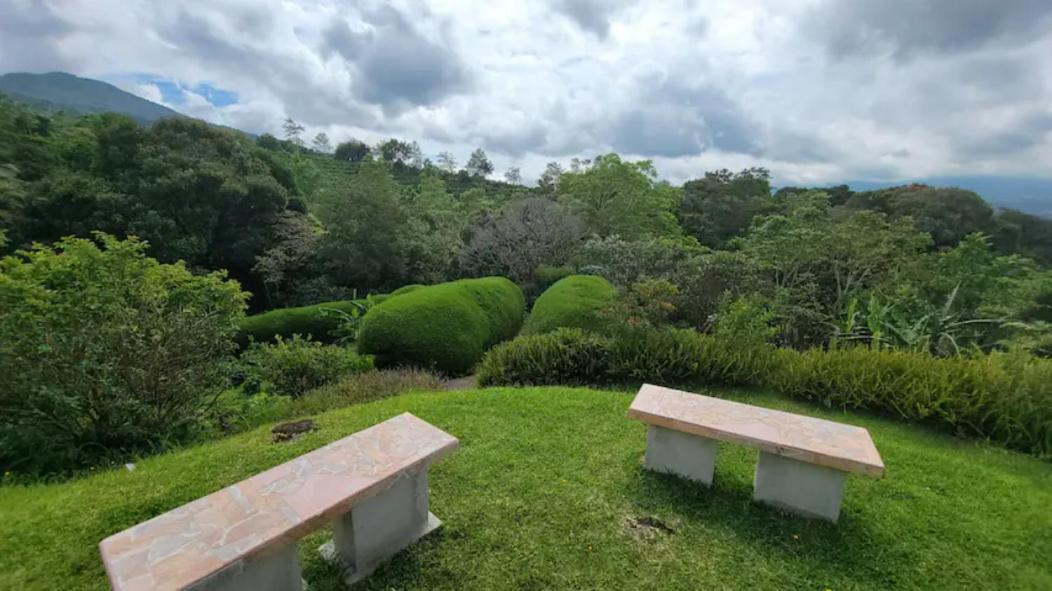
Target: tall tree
321	143
549	179
614	196
722	204
292	131
363	245
352	151
447	161
513	176
479	164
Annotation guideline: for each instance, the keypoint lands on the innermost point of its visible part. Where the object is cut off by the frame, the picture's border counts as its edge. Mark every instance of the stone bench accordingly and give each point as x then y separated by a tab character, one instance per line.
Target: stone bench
803	460
372	486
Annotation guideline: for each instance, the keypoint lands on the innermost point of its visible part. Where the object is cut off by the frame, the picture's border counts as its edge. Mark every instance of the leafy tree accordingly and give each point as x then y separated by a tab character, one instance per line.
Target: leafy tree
1021	233
479	164
948	214
362	246
549	179
293	241
722	204
268	142
447	161
432	234
617	197
105	352
292	131
321	143
399	154
513	176
352	151
519	238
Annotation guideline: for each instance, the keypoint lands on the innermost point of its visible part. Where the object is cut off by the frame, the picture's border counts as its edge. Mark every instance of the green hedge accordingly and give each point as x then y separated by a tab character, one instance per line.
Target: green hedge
669	356
1004	397
447	327
572	302
313	321
292	367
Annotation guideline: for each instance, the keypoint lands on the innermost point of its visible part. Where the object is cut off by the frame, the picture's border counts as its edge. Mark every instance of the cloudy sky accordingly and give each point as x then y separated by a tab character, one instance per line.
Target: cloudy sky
817	91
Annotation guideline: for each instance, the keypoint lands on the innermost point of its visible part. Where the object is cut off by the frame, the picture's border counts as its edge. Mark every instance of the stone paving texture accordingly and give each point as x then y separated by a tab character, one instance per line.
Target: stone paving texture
219	532
807	439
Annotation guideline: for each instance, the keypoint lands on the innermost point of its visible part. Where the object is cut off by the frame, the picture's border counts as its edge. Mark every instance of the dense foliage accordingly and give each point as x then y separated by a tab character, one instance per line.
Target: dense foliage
292	367
105	351
574	301
447	327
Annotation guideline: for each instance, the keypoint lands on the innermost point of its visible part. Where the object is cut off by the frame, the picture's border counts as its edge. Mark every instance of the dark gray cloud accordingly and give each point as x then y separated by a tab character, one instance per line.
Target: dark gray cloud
910	27
591	15
673	120
397	65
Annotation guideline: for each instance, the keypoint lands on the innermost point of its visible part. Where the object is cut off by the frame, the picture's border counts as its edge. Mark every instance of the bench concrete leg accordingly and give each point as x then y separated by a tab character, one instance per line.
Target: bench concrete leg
277	570
800	487
380	527
686	455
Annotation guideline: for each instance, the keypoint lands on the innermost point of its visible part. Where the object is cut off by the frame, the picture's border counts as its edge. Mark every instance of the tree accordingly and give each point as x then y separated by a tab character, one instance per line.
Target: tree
617	197
948	214
479	164
519	238
352	151
433	232
447	161
294	238
513	176
549	179
722	204
106	352
292	131
397	153
321	143
363	245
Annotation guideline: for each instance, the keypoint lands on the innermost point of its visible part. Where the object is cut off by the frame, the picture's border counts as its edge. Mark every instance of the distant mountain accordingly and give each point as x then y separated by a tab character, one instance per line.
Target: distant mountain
58	91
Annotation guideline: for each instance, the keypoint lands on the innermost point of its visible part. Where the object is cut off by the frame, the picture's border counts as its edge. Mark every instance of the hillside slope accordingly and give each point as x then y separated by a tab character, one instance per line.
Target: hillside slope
58	91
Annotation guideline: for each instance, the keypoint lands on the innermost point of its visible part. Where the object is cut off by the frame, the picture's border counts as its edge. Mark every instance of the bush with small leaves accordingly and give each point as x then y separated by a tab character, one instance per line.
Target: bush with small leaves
293	366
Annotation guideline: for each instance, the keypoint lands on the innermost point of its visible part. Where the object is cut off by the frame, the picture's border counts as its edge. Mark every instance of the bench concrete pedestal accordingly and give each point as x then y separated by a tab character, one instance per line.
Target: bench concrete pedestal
273	571
681	453
382	526
800	487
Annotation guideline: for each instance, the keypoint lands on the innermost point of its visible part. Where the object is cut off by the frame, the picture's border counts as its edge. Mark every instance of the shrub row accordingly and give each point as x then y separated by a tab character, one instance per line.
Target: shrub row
447	327
572	302
319	322
575	356
1004	397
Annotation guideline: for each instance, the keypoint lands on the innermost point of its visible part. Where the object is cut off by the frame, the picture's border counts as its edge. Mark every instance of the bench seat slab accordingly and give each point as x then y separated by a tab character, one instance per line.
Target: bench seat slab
686	455
384	525
800	487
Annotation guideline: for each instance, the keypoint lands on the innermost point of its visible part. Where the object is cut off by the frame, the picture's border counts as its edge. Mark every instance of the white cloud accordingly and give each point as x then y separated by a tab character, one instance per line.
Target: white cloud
818	91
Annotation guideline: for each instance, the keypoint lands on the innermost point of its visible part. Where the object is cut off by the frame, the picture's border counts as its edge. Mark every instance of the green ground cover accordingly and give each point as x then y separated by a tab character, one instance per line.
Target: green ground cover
547	492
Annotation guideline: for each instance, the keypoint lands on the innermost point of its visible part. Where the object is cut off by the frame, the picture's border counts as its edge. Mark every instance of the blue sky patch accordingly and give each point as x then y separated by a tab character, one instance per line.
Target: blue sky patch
172	91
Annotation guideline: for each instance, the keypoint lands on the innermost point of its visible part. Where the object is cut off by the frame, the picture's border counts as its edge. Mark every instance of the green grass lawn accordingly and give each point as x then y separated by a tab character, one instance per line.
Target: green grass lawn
547	486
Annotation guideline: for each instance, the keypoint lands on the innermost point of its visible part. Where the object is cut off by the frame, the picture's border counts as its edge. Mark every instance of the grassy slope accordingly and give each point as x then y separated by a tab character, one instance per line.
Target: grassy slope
539	493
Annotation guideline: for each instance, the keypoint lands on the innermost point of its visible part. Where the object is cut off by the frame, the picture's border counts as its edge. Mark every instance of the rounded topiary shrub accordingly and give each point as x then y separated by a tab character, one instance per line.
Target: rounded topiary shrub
447	327
572	302
319	322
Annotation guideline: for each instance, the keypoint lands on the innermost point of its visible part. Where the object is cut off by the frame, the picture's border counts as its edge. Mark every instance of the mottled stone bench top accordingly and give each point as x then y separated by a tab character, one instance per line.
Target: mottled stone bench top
817	441
216	533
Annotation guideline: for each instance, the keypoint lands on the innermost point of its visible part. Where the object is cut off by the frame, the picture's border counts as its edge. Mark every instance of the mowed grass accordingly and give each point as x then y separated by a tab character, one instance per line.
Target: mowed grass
546	492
